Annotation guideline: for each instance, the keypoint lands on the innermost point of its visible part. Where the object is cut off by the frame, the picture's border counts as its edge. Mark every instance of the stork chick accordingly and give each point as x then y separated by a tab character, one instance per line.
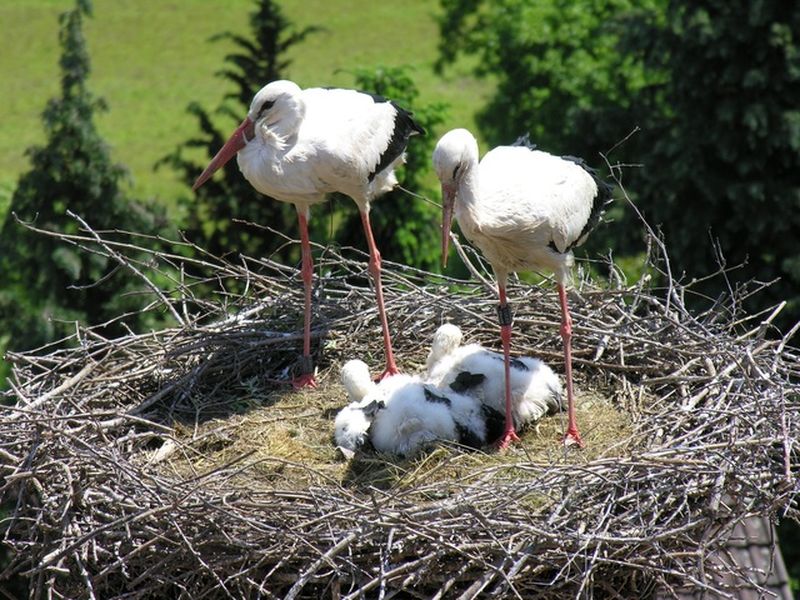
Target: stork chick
401	414
480	373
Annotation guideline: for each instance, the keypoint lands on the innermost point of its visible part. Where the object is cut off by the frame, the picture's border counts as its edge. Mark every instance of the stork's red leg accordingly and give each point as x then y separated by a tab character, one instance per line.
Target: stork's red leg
306	378
572	436
509	435
375	271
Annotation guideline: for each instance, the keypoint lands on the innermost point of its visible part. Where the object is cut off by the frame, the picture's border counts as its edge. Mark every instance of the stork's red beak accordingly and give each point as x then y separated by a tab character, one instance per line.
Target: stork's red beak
238	140
448	200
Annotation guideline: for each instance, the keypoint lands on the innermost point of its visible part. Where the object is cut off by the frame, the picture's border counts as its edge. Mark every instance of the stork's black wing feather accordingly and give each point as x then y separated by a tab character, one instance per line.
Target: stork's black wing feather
602	199
432	396
495	423
466	380
404	127
525	141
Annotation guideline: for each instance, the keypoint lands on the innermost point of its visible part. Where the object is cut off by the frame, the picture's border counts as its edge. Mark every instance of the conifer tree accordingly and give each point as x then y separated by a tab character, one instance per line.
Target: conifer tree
48	284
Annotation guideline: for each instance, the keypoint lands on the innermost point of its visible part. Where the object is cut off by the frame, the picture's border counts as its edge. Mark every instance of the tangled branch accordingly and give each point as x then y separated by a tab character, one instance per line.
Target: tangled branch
712	400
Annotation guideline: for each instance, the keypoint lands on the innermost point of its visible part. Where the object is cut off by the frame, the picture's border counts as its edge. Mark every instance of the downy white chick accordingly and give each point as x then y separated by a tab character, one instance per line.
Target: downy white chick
475	371
401	414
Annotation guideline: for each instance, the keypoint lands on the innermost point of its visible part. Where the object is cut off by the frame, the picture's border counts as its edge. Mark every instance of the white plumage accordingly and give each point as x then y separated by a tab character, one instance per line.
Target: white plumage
356	380
351	426
525	209
298	145
316	141
402	414
477	372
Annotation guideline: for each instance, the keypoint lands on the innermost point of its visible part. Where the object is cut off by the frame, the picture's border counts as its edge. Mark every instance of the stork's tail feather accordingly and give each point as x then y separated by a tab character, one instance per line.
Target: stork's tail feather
605	194
404	127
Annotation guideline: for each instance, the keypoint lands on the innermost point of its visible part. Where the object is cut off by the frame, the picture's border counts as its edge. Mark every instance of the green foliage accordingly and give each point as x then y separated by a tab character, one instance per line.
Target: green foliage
219	201
723	158
789	537
559	76
49	284
406	228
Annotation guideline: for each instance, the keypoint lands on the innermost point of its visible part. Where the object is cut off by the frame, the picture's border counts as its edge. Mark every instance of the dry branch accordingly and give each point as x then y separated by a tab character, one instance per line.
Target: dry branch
713	402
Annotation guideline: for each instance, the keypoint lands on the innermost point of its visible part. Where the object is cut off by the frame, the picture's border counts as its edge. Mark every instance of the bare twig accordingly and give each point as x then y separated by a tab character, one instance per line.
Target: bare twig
88	446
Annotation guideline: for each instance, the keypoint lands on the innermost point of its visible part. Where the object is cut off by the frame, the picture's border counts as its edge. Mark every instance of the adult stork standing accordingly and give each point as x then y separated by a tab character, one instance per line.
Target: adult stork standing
298	145
526	210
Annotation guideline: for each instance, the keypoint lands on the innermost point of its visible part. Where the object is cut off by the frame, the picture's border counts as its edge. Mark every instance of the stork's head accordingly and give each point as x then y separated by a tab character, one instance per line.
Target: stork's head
446	339
276	102
454	156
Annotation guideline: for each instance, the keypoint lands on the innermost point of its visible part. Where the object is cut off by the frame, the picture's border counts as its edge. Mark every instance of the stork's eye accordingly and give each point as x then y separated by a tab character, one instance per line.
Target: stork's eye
266	106
455	171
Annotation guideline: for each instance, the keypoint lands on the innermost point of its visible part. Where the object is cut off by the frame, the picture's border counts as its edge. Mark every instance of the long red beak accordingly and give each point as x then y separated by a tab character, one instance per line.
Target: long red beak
448	199
238	140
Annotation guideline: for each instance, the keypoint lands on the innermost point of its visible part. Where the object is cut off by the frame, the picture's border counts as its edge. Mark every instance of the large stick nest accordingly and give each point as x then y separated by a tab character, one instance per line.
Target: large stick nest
104	450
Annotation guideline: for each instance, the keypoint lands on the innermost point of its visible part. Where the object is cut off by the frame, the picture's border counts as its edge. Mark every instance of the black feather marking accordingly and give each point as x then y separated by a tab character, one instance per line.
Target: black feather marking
467	437
518	364
558	404
599	202
466	381
265	106
432	396
371	409
404	127
366	444
525	142
514	362
495	422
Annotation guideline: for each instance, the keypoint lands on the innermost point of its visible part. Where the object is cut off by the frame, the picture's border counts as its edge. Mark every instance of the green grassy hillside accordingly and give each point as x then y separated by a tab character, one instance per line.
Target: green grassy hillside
151	58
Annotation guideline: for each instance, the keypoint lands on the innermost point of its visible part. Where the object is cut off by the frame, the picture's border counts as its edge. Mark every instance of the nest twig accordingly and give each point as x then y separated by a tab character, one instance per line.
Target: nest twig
713	399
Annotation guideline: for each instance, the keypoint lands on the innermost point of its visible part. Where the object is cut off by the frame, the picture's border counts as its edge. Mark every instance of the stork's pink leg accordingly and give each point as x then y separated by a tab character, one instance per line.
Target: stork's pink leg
306	378
375	271
509	435
572	436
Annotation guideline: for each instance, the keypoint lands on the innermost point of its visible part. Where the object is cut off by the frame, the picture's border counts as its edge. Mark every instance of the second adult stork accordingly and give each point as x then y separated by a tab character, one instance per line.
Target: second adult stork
526	210
297	145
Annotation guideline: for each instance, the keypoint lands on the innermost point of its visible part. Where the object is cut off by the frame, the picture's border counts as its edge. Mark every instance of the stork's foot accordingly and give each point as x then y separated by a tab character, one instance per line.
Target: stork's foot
509	437
303	381
573	438
389	371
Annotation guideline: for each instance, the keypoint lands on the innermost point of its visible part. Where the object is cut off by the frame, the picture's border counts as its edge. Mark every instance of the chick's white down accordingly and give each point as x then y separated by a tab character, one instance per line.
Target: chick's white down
401	414
535	388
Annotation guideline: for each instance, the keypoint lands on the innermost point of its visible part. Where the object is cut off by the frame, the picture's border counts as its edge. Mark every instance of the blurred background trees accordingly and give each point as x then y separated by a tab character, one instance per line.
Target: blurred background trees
221	214
47	285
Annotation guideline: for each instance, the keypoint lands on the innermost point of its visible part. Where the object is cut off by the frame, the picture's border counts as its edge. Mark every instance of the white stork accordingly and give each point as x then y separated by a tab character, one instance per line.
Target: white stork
298	145
526	210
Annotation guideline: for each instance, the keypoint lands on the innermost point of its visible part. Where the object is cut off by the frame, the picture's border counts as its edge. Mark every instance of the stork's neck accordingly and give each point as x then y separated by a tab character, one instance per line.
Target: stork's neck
467	196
